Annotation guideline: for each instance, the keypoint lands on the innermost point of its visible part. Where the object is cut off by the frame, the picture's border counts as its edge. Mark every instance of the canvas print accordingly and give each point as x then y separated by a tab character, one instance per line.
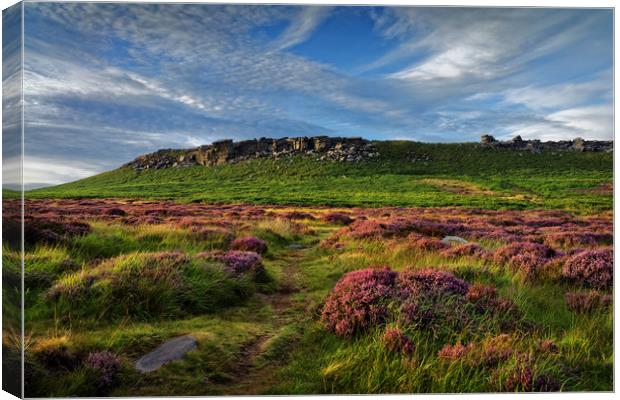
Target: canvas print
220	199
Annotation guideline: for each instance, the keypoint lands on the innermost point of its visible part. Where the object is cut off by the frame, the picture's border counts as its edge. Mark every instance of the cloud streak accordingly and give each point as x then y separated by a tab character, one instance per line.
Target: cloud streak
119	80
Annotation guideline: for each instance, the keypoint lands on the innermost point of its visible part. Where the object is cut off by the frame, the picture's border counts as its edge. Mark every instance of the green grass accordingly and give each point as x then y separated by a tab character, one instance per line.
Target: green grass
294	353
485	178
265	337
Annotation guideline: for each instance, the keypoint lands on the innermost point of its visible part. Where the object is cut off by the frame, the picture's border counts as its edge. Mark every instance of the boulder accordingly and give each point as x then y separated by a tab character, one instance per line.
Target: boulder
579	144
487	139
453	240
173	349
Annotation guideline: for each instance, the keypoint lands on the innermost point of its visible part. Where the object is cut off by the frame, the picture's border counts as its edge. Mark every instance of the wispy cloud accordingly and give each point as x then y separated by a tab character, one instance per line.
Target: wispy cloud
301	26
119	80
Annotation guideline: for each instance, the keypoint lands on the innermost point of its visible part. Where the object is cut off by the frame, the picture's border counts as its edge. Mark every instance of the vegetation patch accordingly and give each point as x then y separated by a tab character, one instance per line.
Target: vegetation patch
147	286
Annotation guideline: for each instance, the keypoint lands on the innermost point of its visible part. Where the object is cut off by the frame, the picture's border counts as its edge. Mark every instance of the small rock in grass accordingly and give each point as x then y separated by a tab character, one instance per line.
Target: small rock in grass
453	240
174	349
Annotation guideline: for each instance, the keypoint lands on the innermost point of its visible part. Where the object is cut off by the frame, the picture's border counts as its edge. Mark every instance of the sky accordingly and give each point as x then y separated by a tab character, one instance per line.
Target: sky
104	83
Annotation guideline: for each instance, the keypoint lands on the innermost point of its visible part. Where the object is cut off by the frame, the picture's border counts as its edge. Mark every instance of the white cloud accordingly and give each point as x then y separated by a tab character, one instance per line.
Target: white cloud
476	43
595	122
562	94
301	27
42	170
119	80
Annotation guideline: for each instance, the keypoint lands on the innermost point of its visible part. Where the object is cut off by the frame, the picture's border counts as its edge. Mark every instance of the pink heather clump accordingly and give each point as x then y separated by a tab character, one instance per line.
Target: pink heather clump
580	302
396	341
298	215
114	212
505	253
496	349
593	268
106	363
546	383
430	282
485	300
465	250
482	296
418	314
428	244
359	300
338	218
239	262
249	243
569	240
528	263
522	378
363	228
47	230
455	352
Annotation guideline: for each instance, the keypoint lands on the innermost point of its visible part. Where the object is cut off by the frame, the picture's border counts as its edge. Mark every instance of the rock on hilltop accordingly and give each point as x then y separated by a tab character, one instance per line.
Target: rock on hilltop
323	148
517	143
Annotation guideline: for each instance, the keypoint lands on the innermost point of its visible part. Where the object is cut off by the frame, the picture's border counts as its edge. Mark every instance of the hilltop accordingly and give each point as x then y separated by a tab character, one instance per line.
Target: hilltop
495	175
324	148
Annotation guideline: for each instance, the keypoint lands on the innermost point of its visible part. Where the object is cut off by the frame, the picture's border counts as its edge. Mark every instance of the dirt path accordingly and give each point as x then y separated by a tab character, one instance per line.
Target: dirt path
248	377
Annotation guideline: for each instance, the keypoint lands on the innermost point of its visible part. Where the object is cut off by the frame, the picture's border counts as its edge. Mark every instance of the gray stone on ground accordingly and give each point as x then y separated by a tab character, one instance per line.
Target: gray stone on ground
295	246
453	240
173	349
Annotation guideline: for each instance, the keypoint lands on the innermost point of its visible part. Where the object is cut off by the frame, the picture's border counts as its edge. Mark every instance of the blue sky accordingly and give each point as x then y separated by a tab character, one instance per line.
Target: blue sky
107	82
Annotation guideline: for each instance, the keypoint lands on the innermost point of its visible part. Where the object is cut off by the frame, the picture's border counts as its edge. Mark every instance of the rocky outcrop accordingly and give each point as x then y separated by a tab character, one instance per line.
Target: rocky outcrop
322	148
325	148
517	143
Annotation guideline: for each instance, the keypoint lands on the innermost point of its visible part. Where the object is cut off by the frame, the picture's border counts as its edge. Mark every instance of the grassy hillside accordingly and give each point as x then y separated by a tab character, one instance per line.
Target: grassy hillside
457	175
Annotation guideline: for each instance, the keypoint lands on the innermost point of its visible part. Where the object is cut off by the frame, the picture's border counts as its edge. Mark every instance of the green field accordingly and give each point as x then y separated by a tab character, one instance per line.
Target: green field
457	175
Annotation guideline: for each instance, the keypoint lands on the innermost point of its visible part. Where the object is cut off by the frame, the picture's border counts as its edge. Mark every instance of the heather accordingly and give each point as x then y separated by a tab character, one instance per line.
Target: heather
591	268
249	243
283	300
359	300
106	364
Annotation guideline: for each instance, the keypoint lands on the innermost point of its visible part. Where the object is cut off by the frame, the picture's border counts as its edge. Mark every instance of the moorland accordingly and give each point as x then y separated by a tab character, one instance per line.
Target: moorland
433	268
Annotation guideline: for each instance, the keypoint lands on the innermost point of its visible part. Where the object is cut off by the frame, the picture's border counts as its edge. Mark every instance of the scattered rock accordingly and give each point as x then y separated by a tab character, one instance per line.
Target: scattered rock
536	146
323	148
487	139
296	246
453	240
173	349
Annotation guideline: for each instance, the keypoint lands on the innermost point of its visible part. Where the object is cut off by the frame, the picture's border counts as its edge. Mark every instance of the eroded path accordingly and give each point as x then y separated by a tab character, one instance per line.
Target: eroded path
259	359
239	351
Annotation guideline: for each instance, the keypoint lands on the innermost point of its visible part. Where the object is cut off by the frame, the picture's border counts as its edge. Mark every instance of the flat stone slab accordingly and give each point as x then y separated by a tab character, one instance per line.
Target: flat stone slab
453	240
173	349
